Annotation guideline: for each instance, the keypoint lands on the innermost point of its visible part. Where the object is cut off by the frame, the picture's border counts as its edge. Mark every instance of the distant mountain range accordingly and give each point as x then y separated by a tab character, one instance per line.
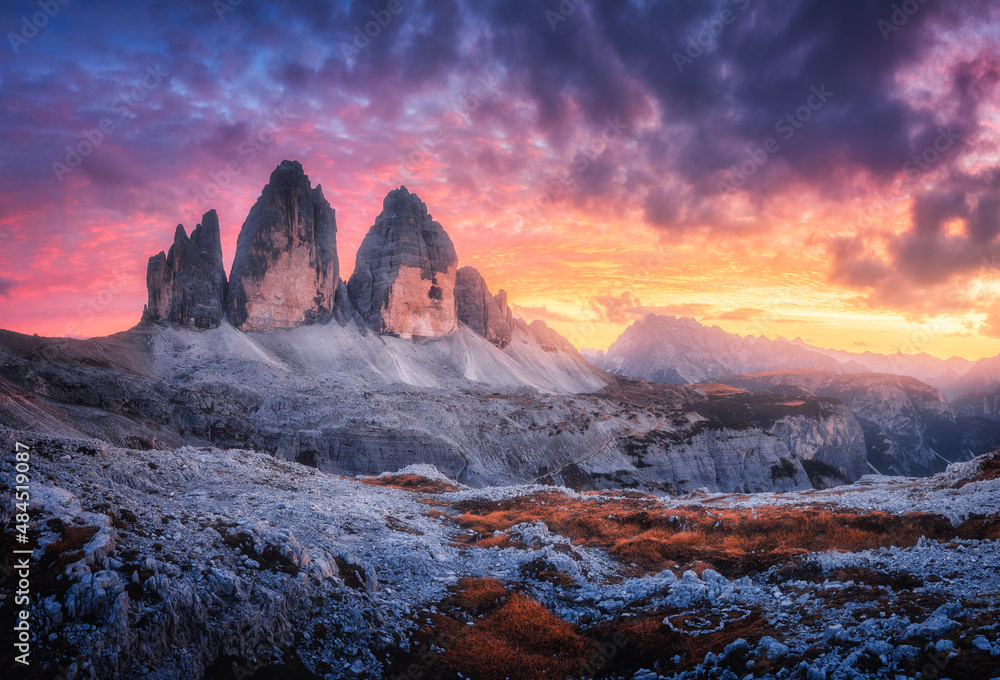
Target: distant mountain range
900	401
412	360
681	351
415	360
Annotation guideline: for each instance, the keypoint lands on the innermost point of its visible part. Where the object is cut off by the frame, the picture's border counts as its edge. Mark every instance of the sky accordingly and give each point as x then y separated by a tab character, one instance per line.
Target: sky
788	168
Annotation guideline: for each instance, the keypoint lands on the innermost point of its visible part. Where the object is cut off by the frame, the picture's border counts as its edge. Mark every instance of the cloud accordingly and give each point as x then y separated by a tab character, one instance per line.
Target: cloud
7	285
852	265
693	310
596	106
991	326
953	237
542	313
619	309
742	314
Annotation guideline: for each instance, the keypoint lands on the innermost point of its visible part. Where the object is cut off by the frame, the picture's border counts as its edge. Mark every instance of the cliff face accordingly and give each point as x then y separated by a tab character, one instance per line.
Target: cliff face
831	445
285	272
404	276
187	285
486	314
483	415
979	404
910	428
679	440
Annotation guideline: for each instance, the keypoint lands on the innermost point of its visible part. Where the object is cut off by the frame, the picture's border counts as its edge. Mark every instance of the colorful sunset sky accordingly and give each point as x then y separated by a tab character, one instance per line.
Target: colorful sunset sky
794	168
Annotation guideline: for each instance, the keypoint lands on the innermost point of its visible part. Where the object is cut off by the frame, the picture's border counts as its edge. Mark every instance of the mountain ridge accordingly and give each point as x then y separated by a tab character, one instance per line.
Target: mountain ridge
414	360
667	348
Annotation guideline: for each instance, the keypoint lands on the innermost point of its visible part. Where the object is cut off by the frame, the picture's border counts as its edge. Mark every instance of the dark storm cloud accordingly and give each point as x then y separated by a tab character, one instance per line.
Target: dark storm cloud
618	59
954	235
606	60
557	85
953	229
853	266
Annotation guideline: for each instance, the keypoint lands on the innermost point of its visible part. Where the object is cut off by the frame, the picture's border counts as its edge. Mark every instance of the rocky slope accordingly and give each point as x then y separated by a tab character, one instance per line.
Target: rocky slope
981	404
205	563
822	432
404	276
486	314
285	272
910	428
187	286
348	402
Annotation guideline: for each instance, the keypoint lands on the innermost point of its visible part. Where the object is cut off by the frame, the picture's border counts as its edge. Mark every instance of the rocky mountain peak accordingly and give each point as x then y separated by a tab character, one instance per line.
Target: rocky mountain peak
285	272
404	275
477	308
187	285
682	350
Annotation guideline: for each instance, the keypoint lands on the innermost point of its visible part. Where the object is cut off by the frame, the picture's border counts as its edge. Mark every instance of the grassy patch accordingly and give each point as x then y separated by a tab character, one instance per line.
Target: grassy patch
409	482
520	641
642	533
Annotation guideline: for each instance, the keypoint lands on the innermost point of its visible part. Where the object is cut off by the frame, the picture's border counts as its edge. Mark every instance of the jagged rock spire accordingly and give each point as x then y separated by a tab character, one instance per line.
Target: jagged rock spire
404	276
187	285
486	314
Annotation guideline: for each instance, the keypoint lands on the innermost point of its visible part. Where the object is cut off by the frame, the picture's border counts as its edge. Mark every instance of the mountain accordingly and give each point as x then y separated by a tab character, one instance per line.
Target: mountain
404	277
188	286
680	351
285	271
909	426
481	311
984	376
350	402
940	373
982	404
413	361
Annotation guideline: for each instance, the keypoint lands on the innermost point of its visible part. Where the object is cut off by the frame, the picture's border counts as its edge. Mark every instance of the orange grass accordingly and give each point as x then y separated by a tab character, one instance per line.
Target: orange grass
409	482
643	533
989	468
477	595
520	641
71	541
